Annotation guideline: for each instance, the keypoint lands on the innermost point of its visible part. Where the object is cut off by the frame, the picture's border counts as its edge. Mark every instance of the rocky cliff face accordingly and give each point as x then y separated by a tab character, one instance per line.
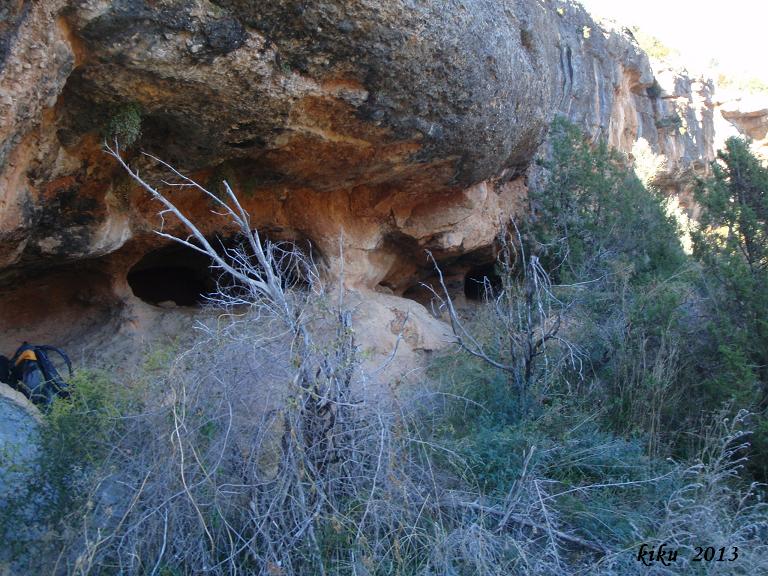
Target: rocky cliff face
609	87
746	116
408	125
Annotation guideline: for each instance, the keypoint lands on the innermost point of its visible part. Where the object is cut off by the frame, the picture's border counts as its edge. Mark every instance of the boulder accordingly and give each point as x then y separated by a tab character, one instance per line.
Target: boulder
19	428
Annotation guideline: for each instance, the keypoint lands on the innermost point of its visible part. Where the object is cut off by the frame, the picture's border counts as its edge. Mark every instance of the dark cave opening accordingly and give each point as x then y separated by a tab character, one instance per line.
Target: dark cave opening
183	276
481	282
172	274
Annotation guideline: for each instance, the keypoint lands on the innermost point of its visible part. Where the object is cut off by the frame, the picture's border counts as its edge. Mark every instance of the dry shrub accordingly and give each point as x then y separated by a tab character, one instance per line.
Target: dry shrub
254	454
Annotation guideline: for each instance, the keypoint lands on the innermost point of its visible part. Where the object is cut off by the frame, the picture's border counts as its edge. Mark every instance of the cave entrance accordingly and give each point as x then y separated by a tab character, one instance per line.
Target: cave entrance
481	281
174	274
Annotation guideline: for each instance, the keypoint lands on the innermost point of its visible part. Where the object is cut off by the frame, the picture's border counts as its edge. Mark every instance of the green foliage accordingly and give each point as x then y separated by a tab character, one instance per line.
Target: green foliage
748	84
594	452
484	428
732	244
125	124
76	437
161	356
735	212
480	428
630	313
594	216
664	343
651	45
78	433
565	460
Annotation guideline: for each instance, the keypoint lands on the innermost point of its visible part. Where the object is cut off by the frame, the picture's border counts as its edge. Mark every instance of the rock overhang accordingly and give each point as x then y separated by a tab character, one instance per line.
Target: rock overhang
408	125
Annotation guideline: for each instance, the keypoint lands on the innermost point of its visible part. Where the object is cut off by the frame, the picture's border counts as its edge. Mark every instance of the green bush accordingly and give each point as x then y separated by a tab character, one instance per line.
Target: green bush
125	124
594	216
651	45
78	434
77	437
482	425
732	244
611	447
564	462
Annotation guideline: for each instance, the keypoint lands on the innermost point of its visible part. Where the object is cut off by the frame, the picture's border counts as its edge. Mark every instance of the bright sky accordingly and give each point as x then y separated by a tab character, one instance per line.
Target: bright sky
733	32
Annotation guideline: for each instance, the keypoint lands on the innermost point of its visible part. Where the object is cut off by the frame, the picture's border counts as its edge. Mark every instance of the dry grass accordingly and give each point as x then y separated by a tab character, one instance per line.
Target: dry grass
255	456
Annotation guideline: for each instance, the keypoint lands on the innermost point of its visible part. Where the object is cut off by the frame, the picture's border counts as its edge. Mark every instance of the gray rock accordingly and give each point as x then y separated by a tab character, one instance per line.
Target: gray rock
19	447
19	430
465	66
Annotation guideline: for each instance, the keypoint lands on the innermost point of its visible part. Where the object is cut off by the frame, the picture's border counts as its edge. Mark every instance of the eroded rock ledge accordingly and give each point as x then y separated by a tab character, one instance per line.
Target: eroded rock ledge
408	125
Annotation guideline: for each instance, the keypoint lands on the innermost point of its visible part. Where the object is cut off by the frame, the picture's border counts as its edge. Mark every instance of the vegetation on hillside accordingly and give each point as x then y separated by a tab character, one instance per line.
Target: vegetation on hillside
656	360
732	246
609	393
651	45
740	84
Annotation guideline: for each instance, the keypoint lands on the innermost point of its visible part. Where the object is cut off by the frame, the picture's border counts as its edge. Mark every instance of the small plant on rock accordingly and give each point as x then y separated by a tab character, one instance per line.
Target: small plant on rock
125	124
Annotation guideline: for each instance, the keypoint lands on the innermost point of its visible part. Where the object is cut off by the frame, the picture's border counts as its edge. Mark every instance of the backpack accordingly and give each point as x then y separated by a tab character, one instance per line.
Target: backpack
34	374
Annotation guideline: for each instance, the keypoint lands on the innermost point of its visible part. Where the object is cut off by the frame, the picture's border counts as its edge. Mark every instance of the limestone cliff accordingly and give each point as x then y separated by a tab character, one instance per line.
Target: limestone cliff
408	125
609	87
744	115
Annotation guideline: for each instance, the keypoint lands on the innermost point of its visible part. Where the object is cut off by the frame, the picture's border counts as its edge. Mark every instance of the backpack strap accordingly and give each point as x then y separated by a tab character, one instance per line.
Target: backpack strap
5	369
60	352
20	351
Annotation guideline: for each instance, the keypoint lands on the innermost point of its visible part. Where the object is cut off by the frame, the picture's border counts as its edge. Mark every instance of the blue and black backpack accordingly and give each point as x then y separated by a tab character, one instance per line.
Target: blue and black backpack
32	372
